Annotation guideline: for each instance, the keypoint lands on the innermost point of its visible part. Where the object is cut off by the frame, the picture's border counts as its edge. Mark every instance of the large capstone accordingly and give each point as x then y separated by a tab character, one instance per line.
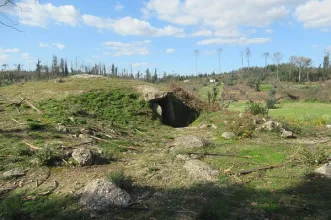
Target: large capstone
171	110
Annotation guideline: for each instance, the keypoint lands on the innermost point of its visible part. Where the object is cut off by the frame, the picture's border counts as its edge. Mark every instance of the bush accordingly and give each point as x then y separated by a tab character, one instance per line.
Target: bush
243	127
314	157
46	155
120	180
256	108
254	83
272	101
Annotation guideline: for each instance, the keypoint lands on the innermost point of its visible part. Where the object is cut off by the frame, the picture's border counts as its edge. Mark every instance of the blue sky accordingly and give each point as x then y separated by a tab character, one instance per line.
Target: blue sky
162	34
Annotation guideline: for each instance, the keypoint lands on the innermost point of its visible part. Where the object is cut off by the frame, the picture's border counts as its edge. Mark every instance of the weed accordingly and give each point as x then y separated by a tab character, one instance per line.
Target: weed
120	180
315	156
256	108
46	155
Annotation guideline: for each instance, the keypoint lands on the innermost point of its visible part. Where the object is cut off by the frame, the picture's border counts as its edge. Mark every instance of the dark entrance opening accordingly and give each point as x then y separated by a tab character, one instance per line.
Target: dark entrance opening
174	112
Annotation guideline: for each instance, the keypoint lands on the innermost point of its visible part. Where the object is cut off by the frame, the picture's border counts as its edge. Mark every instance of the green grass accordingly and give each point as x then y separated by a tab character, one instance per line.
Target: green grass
203	91
265	87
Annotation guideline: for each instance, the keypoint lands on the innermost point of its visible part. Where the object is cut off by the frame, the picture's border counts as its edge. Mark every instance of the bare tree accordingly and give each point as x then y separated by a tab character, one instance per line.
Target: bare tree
248	53
266	56
301	62
219	51
6	20
196	53
242	58
277	57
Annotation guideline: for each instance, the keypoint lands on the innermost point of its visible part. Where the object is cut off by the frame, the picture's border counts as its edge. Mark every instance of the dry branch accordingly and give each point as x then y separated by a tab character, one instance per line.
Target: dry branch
99	139
32	147
45	179
34	107
219	155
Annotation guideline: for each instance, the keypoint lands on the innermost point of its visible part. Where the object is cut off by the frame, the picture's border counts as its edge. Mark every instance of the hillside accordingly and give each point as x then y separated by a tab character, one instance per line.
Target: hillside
193	172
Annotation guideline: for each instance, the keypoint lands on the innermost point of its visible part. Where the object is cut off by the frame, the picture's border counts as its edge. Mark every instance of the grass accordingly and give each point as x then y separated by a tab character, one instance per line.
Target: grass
139	148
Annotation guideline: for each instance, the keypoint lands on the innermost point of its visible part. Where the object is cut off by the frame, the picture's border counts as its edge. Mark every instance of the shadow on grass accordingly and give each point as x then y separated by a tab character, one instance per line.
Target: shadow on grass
309	200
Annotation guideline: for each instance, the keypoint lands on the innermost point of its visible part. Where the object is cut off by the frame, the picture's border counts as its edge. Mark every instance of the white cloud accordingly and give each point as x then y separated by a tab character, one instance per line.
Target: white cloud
3	58
134	65
269	31
41	44
202	33
234	41
60	46
127	49
252	31
221	13
13	50
131	26
314	14
32	13
25	56
119	6
328	49
170	50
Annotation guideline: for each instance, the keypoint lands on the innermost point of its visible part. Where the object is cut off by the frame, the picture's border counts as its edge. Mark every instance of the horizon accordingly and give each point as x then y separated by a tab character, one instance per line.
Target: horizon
164	34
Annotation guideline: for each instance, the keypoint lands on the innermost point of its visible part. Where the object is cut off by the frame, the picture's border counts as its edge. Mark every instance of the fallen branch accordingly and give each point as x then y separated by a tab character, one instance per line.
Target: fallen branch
219	155
45	179
107	135
18	122
32	147
34	107
99	139
56	184
245	172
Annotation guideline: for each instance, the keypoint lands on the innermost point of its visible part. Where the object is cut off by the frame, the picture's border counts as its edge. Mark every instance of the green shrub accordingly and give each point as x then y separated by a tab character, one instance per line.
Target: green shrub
46	155
120	180
272	101
243	127
315	156
256	108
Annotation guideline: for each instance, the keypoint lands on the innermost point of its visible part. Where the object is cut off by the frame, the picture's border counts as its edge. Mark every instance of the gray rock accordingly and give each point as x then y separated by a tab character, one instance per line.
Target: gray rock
151	93
269	126
328	126
324	170
84	157
101	194
200	170
228	135
85	138
61	128
16	172
287	134
189	141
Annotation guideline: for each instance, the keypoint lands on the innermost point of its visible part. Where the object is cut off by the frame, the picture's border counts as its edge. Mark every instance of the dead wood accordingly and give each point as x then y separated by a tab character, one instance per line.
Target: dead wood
45	179
218	155
32	147
99	139
34	107
245	172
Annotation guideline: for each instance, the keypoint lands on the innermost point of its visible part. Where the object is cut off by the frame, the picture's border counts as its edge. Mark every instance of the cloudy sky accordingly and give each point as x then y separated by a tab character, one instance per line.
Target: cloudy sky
162	34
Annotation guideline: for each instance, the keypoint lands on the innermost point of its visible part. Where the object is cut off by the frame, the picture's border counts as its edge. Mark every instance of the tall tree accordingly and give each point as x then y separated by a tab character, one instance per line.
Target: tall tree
326	63
196	53
38	69
55	67
113	70
138	75
62	67
66	71
154	77
219	51
116	71
266	56
248	54
148	75
277	57
302	63
242	58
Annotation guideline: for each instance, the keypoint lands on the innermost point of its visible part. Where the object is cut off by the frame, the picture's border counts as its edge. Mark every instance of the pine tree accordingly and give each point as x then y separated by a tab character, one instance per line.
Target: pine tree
66	71
55	67
148	75
38	69
113	70
62	66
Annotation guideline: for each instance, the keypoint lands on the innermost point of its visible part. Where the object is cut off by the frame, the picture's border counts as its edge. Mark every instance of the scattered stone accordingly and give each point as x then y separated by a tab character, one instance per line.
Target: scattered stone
16	172
59	81
269	126
87	131
189	141
61	128
328	126
228	135
101	194
204	126
324	170
287	134
182	157
200	170
85	138
213	126
83	157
